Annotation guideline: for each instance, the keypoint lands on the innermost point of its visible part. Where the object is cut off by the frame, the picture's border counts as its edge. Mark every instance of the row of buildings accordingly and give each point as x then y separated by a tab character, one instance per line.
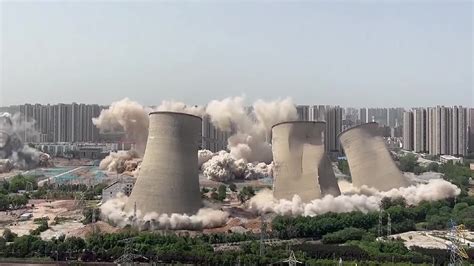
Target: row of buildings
439	130
58	127
56	123
434	130
338	119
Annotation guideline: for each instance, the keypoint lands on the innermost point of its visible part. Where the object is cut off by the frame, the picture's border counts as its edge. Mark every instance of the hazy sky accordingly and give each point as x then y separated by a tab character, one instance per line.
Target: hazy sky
397	53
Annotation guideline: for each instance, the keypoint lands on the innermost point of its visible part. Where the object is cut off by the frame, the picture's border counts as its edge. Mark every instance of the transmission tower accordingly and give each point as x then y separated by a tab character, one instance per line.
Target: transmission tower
380	223
94	229
457	238
263	231
129	256
389	225
292	259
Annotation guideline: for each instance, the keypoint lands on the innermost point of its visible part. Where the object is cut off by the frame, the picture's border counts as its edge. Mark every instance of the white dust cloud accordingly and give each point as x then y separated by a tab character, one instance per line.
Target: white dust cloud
112	211
354	199
120	161
251	128
222	166
129	116
13	152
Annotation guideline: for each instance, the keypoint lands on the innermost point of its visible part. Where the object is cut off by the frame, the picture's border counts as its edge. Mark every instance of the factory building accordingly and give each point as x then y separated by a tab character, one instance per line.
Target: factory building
301	166
369	160
168	178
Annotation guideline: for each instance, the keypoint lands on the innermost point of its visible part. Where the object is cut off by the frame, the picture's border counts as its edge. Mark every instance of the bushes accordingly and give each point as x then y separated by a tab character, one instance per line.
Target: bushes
344	235
43	226
318	226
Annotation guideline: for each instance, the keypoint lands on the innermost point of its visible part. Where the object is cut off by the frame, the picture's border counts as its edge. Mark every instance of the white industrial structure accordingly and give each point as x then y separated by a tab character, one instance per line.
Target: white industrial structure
168	179
301	166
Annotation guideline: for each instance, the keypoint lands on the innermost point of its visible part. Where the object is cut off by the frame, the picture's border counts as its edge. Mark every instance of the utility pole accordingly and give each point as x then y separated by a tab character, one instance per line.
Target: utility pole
389	225
263	229
380	224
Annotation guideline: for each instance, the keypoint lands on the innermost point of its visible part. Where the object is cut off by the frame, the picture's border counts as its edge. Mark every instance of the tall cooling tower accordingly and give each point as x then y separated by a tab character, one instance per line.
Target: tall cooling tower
369	160
168	180
301	165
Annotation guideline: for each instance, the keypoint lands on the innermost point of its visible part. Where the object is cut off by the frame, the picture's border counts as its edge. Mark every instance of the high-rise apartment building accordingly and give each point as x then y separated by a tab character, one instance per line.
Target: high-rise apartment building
332	115
213	139
379	115
437	130
303	112
333	128
471	129
408	130
363	116
419	130
57	123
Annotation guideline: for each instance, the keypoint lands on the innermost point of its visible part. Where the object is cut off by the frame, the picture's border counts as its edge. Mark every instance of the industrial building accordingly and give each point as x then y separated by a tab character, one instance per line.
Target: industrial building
369	160
301	166
168	180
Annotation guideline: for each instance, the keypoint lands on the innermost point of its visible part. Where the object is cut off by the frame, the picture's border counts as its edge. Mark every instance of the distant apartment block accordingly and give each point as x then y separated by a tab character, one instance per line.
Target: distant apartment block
57	123
72	123
437	130
332	115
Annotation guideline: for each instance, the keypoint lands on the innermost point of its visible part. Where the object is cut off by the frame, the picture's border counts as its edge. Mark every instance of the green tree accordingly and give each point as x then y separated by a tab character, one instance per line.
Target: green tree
4	202
408	162
222	192
8	235
433	167
246	193
343	166
18	201
233	187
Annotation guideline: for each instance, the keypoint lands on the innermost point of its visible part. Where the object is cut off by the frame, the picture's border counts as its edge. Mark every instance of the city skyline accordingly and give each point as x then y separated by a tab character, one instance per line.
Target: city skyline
351	54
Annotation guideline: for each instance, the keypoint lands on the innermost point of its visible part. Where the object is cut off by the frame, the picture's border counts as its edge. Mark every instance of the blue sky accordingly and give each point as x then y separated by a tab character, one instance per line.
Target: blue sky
351	53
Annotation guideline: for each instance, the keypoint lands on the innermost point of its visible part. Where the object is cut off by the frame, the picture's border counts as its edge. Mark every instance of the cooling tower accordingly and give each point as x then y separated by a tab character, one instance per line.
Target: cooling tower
369	160
168	180
301	165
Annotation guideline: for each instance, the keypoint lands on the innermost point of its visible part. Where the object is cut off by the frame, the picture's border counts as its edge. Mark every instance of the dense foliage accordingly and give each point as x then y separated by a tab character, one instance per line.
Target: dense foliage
343	166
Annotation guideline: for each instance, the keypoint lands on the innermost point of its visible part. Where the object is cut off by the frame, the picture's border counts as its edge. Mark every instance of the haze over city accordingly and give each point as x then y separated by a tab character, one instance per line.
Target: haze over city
349	53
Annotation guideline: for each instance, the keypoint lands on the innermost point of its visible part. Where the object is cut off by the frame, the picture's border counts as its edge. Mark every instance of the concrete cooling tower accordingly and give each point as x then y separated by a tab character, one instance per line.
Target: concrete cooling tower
168	180
301	165
369	160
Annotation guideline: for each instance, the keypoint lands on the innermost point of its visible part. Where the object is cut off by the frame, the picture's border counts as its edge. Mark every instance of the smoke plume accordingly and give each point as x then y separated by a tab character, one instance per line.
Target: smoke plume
13	152
223	167
173	106
112	211
129	116
120	162
251	128
354	199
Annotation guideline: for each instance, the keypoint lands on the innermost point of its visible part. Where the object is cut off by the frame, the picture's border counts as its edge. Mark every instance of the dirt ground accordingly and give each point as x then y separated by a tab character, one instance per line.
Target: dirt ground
65	209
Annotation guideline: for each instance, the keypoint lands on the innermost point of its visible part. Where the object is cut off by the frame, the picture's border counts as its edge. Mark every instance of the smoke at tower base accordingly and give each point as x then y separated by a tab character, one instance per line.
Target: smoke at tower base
112	210
353	199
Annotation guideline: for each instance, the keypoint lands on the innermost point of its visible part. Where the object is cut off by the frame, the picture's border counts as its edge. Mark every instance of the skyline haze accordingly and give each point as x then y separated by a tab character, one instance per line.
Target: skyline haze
350	54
